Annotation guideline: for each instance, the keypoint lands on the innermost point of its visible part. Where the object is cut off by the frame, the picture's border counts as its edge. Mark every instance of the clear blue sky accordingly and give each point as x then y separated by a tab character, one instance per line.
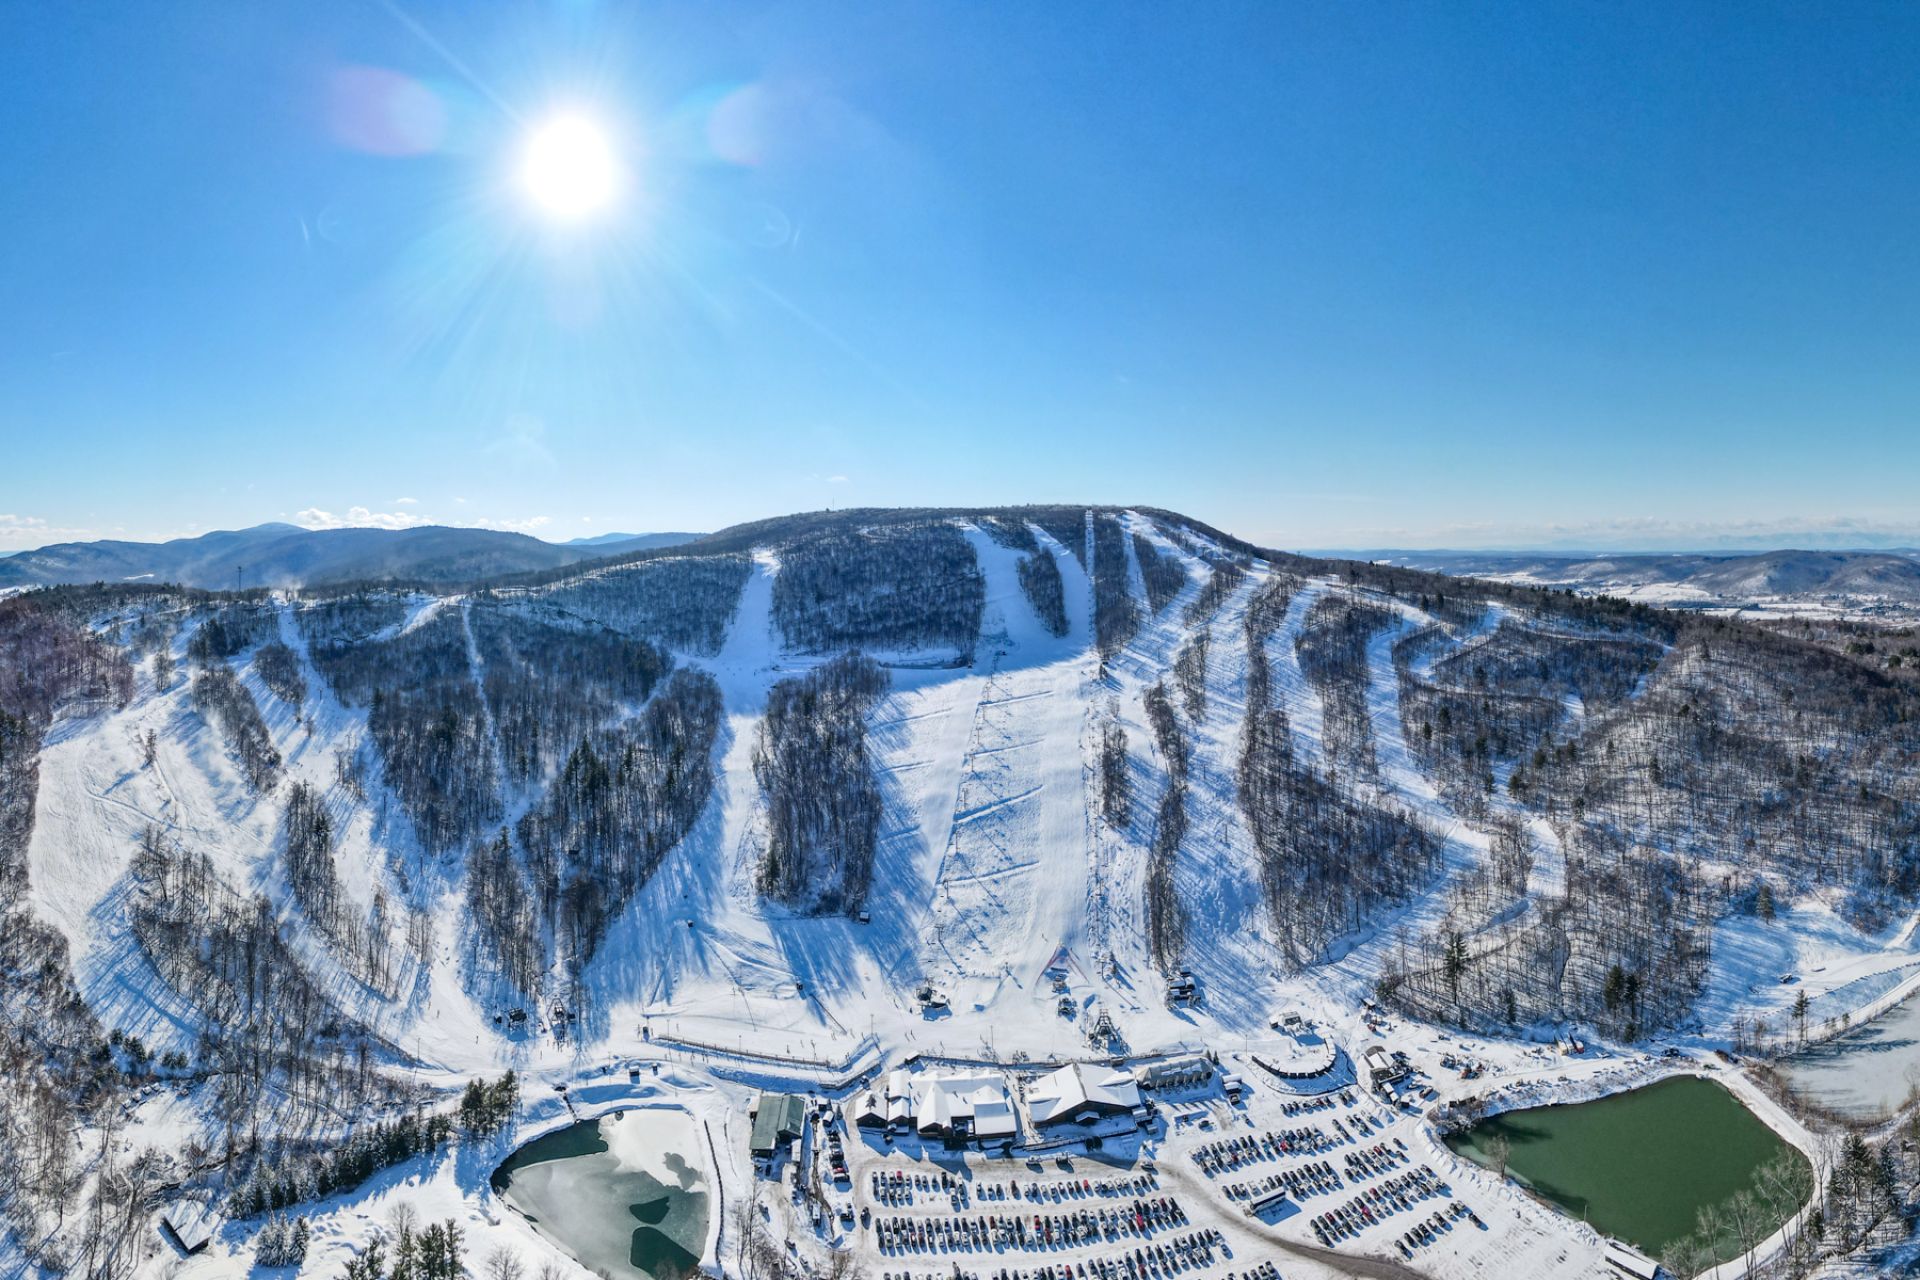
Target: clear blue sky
1322	274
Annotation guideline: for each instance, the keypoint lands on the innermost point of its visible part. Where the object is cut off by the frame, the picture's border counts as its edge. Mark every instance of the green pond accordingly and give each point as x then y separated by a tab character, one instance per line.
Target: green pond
1638	1165
616	1193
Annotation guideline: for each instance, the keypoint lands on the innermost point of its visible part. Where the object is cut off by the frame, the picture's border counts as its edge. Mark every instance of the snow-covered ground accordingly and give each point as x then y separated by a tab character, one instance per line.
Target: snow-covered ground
992	867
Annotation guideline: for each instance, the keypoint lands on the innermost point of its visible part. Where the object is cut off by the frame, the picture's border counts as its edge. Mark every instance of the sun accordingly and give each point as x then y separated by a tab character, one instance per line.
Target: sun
569	169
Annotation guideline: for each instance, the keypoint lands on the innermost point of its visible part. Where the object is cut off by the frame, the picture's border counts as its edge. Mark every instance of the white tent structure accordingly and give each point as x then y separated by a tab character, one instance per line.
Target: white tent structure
1079	1092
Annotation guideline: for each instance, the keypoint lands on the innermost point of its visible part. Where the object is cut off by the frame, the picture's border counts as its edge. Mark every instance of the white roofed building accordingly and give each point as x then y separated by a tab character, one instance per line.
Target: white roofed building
869	1111
1080	1092
1174	1073
1630	1261
963	1105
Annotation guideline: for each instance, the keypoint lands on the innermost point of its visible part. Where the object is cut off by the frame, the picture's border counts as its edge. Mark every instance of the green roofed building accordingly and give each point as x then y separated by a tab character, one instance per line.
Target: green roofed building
777	1120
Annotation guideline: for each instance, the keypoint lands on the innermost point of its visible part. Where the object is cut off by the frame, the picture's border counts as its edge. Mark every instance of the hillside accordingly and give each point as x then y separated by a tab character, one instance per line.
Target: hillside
316	850
1870	585
284	555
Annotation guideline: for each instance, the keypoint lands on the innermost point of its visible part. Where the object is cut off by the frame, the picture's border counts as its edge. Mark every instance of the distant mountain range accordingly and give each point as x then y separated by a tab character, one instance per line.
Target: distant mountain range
1864	582
620	542
284	555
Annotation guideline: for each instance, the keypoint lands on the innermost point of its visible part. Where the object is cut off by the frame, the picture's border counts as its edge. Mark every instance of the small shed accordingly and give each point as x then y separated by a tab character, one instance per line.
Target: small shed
1629	1261
189	1224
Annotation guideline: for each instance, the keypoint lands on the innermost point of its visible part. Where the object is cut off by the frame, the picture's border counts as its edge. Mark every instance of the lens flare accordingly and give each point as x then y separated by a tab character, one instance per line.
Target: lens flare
384	113
569	168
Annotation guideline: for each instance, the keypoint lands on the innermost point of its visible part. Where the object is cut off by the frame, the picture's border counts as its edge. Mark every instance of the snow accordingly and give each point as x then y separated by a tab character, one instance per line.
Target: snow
992	865
1056	1096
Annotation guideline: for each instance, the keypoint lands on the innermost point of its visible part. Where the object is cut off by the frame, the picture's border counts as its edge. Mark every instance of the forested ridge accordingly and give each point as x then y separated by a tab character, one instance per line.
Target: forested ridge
1577	796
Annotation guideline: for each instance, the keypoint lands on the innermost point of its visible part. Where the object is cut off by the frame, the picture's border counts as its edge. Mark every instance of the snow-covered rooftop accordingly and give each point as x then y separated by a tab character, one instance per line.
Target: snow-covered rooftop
1079	1087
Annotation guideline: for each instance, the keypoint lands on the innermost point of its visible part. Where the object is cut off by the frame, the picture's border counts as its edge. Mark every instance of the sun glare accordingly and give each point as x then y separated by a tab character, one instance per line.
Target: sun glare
569	168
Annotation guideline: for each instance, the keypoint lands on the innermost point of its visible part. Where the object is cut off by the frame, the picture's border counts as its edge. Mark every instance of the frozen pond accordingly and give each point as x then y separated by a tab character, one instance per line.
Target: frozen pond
1866	1073
617	1193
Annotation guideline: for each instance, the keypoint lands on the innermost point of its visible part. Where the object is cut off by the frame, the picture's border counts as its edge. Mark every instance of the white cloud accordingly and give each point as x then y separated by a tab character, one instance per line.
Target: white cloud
527	525
406	502
836	479
359	518
27	532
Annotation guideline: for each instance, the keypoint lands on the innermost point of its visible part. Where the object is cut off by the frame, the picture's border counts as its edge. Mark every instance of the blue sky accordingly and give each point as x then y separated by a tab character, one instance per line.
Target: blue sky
1325	275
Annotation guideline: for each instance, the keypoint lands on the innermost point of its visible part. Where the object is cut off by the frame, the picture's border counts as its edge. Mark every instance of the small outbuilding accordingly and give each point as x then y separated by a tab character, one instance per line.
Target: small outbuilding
1382	1067
189	1225
869	1111
1629	1261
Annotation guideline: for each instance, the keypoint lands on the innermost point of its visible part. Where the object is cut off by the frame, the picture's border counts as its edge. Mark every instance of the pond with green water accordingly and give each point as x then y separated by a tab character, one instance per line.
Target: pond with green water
618	1193
1640	1165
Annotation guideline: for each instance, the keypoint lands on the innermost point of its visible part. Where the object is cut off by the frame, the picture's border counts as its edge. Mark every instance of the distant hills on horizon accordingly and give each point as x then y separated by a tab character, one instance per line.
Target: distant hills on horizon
285	555
1790	580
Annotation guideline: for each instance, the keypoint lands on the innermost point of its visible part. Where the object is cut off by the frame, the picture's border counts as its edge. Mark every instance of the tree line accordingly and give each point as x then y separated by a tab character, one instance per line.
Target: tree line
816	779
625	797
1330	853
1165	915
893	586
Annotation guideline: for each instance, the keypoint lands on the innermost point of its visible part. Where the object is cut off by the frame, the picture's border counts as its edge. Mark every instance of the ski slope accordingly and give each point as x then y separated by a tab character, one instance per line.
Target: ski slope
993	869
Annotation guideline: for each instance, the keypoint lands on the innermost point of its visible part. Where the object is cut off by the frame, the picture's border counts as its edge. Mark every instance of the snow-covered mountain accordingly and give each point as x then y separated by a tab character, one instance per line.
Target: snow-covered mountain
285	555
1874	585
768	785
615	542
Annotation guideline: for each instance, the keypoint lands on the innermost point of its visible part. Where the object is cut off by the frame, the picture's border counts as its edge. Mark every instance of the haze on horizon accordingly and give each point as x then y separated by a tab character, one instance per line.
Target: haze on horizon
1495	276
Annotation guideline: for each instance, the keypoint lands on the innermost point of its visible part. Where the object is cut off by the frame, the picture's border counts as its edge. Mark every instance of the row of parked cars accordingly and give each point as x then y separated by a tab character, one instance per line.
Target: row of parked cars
1377	1203
1027	1231
1231	1153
